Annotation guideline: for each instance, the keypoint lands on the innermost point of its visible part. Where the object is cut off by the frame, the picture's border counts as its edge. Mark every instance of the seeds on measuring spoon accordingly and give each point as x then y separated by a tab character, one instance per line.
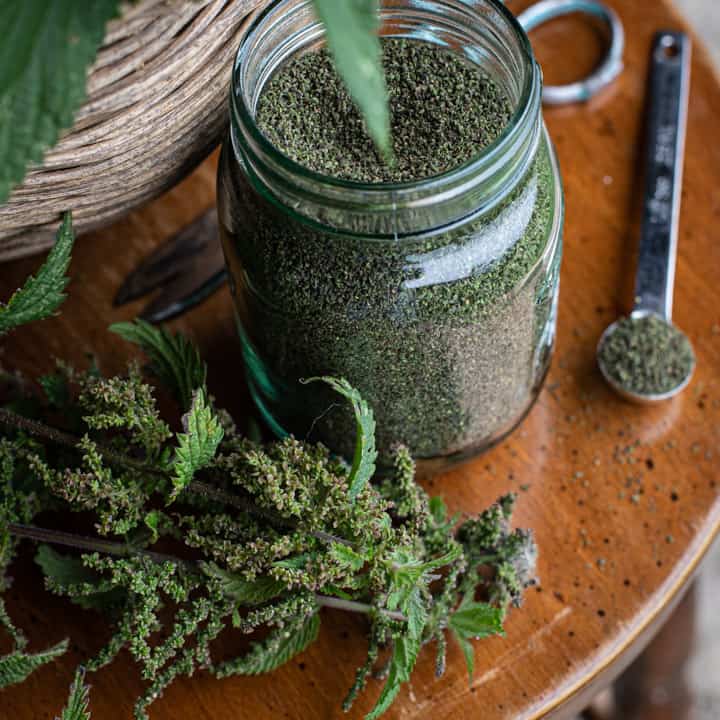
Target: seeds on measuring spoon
646	356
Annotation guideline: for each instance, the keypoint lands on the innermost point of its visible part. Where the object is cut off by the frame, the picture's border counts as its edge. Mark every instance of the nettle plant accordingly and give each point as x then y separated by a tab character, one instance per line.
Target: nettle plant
48	46
216	532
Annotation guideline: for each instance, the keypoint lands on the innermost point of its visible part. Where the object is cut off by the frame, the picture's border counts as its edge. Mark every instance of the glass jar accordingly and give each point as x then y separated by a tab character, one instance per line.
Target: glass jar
436	299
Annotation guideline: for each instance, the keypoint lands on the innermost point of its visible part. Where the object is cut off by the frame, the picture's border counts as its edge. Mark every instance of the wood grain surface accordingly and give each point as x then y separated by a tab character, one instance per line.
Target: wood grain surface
624	500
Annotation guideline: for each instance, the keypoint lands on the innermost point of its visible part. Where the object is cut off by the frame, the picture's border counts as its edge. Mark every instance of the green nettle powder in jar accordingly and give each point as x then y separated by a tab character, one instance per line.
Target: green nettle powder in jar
646	355
430	284
443	112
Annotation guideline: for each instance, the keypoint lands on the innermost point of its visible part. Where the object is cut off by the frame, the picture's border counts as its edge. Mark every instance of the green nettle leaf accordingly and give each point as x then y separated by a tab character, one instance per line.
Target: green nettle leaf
77	707
152	522
174	359
42	294
63	571
56	390
347	556
244	592
296	562
46	49
405	651
198	444
474	620
363	466
17	666
477	620
469	652
351	27
281	645
402	662
438	509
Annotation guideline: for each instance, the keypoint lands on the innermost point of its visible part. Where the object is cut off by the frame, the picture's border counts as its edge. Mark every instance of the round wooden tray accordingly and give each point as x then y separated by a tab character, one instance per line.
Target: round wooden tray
156	106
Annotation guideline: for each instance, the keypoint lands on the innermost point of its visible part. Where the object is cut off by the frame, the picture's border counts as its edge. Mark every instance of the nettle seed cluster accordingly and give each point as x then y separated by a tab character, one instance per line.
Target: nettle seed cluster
255	537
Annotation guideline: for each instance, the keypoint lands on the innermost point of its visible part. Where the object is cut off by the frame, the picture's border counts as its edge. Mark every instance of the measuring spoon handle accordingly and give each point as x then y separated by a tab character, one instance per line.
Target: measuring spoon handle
666	127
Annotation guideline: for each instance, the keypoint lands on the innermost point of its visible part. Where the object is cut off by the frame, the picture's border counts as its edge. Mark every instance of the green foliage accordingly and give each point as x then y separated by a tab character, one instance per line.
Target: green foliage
19	501
47	47
68	575
124	403
351	29
401	666
477	620
198	444
474	620
489	540
410	503
77	707
347	556
18	666
244	592
174	360
117	498
273	531
363	466
43	293
56	389
280	646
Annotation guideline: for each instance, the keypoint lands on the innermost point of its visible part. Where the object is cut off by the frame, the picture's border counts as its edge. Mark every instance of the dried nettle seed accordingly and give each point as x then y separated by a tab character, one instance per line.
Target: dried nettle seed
443	112
646	355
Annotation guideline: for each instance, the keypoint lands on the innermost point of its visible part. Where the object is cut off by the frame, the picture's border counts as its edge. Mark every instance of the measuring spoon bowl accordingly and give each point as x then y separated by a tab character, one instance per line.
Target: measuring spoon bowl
635	397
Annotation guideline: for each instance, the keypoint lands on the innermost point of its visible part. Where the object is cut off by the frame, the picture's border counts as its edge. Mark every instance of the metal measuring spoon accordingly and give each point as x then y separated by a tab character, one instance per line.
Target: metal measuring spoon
667	123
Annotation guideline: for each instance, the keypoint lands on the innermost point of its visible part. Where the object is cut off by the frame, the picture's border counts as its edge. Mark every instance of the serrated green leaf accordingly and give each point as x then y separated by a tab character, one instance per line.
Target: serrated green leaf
351	28
363	466
436	563
43	293
477	620
405	651
402	663
56	390
281	645
198	444
68	570
416	613
244	592
77	707
438	509
47	48
174	359
347	556
468	652
152	522
408	573
18	666
16	635
296	562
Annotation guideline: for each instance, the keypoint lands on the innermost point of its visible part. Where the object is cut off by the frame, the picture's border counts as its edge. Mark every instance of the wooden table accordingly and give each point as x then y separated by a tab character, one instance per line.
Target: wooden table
624	500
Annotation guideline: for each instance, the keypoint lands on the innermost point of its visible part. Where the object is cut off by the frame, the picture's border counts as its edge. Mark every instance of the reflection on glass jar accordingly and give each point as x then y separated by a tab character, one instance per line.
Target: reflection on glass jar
435	298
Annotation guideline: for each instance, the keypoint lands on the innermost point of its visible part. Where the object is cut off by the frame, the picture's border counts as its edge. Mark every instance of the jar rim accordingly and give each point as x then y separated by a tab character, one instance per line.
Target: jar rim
486	156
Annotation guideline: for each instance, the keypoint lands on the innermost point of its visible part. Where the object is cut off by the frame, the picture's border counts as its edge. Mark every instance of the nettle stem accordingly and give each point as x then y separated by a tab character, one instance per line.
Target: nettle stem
58	437
354	606
81	542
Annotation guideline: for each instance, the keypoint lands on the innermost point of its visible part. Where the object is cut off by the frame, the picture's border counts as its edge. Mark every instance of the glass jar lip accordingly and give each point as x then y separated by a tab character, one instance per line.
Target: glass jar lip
487	155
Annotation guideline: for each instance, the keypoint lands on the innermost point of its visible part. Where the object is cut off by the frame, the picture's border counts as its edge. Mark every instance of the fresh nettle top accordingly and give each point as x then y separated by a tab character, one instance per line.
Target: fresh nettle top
218	531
